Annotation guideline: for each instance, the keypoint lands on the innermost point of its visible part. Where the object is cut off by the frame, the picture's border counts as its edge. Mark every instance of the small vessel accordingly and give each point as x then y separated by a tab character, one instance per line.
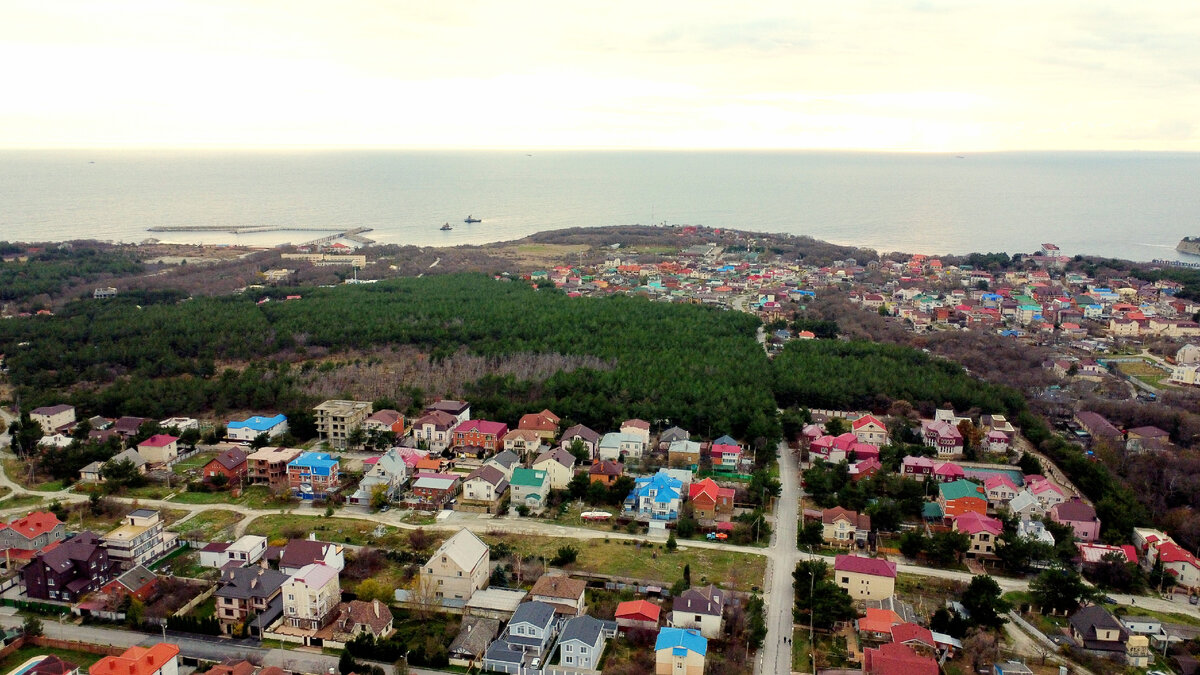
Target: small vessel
472	220
446	227
1189	245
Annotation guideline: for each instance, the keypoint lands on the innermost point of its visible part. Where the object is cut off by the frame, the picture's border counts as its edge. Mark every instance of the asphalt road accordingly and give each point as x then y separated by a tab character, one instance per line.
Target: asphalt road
776	655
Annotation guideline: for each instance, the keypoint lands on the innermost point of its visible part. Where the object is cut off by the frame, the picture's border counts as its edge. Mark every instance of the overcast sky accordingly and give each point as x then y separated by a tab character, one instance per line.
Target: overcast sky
925	76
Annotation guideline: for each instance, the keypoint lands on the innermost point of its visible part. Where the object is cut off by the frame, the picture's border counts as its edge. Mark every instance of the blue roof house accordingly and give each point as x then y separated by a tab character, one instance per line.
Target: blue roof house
656	497
313	474
248	429
680	650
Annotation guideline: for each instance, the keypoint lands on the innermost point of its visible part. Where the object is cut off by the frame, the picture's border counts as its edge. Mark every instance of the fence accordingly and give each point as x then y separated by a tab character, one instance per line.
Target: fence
195	602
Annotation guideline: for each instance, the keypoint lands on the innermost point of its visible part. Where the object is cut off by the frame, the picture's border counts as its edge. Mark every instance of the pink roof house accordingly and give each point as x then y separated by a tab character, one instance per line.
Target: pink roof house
1000	489
1081	517
948	472
917	466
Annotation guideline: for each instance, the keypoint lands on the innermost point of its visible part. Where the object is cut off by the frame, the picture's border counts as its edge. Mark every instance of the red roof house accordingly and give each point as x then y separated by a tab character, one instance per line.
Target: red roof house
638	614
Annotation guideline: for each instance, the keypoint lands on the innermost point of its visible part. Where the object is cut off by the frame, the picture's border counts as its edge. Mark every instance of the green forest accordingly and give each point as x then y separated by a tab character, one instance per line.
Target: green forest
51	270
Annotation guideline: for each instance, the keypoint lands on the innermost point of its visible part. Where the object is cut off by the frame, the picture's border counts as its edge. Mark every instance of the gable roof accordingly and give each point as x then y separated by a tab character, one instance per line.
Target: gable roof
136	660
959	489
585	629
911	632
231	458
860	520
34	524
865	420
582	432
482	426
554	586
487	473
541	421
315	575
638	610
300	552
607	467
862	565
464	548
894	658
505	458
557	455
974	523
374	614
534	613
158	441
1074	510
708	600
528	477
249	582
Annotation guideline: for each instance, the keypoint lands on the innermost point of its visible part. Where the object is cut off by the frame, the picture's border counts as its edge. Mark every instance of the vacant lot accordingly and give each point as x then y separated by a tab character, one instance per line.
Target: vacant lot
337	530
651	562
212	525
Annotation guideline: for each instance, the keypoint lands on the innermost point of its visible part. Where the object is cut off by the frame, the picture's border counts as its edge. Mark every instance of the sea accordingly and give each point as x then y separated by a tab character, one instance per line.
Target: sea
1125	205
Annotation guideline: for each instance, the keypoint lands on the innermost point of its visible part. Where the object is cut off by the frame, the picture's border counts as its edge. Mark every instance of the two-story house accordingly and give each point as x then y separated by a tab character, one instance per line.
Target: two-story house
563	593
544	423
679	651
700	608
588	438
484	489
388	474
489	436
868	429
615	445
25	536
249	591
865	578
711	502
530	487
983	532
458	568
432	430
684	454
250	428
522	442
160	659
528	636
159	449
845	528
299	553
230	463
1080	516
582	642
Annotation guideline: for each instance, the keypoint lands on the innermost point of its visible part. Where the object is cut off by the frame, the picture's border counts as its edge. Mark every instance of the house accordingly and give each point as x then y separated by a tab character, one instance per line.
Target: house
1048	494
919	638
1091	555
684	453
942	435
1000	489
865	578
159	449
669	436
679	651
75	567
139	540
1180	563
252	427
127	426
700	608
582	642
479	434
268	466
917	467
590	439
894	658
530	487
231	464
528	635
25	536
877	623
639	428
138	582
313	475
544	423
864	468
433	429
997	441
459	567
244	592
160	659
655	498
605	471
1146	439
337	419
983	532
388	474
522	442
1098	631
948	472
47	665
484	489
1080	516
843	527
559	466
1098	427
614	445
726	457
472	641
358	617
300	553
53	418
432	491
310	597
1024	505
564	594
638	614
868	429
459	410
247	550
711	502
1035	530
962	496
385	420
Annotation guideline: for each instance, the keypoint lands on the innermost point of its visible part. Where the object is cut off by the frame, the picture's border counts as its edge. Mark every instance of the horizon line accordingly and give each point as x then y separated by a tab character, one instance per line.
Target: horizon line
322	147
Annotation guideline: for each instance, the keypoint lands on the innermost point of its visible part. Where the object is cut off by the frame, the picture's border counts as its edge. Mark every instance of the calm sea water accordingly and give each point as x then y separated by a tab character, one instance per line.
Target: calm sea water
1133	205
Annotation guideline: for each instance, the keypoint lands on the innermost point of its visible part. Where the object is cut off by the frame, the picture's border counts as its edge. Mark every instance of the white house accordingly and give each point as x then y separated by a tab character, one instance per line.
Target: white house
615	445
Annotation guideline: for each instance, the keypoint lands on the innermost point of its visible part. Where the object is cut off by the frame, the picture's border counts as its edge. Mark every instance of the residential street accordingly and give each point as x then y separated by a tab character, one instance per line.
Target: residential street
776	656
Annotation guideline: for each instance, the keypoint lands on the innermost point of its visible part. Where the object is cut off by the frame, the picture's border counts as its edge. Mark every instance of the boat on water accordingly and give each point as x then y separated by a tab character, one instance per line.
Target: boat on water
1190	245
471	219
446	227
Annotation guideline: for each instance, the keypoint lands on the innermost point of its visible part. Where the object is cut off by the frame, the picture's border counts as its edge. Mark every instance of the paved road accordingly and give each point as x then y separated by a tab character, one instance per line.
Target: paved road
776	655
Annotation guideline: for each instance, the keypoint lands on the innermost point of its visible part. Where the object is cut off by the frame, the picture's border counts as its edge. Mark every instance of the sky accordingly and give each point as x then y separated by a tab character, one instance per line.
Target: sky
924	76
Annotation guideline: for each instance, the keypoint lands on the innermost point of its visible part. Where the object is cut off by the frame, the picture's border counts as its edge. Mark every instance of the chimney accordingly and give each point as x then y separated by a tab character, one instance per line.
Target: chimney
375	604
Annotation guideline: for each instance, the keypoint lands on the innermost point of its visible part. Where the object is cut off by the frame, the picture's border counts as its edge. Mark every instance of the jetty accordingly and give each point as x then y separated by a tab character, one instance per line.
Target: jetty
354	234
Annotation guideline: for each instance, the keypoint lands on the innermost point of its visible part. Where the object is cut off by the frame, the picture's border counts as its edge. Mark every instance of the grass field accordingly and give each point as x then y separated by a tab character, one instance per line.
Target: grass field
1146	372
254	497
211	525
19	501
193	463
81	659
18	472
652	562
337	530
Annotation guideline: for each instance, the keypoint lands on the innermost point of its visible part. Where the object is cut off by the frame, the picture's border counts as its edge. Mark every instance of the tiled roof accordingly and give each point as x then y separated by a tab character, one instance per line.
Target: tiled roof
862	565
34	524
558	587
681	641
136	661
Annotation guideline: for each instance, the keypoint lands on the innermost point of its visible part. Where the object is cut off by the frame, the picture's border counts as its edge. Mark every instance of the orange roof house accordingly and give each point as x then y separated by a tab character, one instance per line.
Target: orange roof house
161	658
